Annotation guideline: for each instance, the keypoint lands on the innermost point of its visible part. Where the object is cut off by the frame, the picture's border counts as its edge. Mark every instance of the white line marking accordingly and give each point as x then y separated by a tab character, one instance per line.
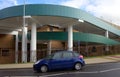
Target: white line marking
110	70
53	75
85	72
93	72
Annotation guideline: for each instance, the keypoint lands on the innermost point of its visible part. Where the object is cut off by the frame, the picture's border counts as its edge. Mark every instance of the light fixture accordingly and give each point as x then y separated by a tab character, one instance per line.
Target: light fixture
14	32
27	17
80	20
19	30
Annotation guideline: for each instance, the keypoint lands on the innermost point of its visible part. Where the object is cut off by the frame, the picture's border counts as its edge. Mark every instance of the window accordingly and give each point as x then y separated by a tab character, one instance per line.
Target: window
5	52
49	56
57	55
76	54
67	54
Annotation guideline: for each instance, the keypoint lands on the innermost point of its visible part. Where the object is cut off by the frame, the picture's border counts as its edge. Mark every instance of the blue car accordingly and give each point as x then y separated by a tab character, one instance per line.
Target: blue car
60	60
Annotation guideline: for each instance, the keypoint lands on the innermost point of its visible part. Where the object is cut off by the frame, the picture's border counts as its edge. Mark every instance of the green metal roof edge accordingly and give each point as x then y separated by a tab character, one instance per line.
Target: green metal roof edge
77	36
56	10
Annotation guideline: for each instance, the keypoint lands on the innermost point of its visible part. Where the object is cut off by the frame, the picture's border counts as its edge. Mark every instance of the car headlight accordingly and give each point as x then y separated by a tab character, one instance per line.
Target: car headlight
37	62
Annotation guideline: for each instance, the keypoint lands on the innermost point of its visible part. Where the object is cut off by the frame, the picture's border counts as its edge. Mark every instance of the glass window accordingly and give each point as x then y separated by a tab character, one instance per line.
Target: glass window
76	54
57	55
67	54
49	56
5	52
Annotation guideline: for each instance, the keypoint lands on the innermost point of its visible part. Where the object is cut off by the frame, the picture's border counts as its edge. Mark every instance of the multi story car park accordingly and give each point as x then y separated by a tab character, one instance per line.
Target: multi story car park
30	32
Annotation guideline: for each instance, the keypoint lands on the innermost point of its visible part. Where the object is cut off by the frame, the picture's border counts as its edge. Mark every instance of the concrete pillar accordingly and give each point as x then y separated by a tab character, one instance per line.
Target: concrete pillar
70	38
33	43
49	48
107	35
24	45
16	47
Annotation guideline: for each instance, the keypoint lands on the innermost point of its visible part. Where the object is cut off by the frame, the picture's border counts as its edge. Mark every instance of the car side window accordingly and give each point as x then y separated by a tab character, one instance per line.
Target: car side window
76	54
57	56
67	55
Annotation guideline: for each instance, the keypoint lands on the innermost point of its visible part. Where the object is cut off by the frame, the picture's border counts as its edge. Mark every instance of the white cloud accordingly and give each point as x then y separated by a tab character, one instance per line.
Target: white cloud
74	3
7	3
107	9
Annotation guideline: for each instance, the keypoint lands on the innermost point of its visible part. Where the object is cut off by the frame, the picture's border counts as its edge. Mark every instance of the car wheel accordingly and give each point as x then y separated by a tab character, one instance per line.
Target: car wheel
44	68
78	66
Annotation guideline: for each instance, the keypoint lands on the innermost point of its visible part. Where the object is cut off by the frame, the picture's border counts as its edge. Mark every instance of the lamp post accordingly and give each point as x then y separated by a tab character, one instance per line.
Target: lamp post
24	37
24	13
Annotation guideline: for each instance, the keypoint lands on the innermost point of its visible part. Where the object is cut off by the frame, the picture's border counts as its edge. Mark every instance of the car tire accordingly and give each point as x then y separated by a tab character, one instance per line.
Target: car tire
43	68
77	66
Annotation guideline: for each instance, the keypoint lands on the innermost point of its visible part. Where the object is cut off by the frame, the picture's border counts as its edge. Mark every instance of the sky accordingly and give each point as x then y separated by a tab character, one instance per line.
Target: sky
104	9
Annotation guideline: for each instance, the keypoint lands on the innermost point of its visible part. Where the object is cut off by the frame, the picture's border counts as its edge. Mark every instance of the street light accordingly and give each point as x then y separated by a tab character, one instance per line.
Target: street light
24	37
24	13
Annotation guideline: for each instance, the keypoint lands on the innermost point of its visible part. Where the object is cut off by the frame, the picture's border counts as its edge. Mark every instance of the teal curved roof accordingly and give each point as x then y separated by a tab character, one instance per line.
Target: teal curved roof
77	36
56	10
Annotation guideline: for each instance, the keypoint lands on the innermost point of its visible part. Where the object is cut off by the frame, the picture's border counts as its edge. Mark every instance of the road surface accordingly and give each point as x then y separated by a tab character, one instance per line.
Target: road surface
93	70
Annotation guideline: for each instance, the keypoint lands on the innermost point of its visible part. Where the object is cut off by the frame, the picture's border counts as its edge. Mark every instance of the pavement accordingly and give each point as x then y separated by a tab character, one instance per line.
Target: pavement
91	60
103	59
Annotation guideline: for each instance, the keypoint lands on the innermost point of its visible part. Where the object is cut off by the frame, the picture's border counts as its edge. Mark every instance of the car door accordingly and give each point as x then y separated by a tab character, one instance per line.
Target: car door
68	60
56	61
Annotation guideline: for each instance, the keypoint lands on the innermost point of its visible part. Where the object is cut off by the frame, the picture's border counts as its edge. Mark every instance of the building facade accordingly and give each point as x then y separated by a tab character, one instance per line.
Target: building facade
7	47
50	28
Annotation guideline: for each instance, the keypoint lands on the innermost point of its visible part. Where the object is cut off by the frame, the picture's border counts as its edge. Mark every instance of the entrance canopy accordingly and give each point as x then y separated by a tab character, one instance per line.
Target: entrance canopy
11	19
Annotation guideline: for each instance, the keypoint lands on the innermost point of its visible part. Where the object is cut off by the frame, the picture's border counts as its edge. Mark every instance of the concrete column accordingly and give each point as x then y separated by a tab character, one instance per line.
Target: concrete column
107	35
24	45
33	43
49	48
16	47
70	38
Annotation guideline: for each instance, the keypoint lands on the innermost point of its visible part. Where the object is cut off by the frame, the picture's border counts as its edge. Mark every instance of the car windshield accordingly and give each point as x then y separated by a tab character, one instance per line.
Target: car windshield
49	56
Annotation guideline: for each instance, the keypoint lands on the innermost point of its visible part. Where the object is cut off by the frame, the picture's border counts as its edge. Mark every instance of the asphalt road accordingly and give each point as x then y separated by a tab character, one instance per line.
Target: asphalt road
94	70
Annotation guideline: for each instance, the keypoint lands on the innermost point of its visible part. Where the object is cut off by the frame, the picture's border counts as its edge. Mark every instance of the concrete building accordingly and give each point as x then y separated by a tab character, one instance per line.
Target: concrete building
30	32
